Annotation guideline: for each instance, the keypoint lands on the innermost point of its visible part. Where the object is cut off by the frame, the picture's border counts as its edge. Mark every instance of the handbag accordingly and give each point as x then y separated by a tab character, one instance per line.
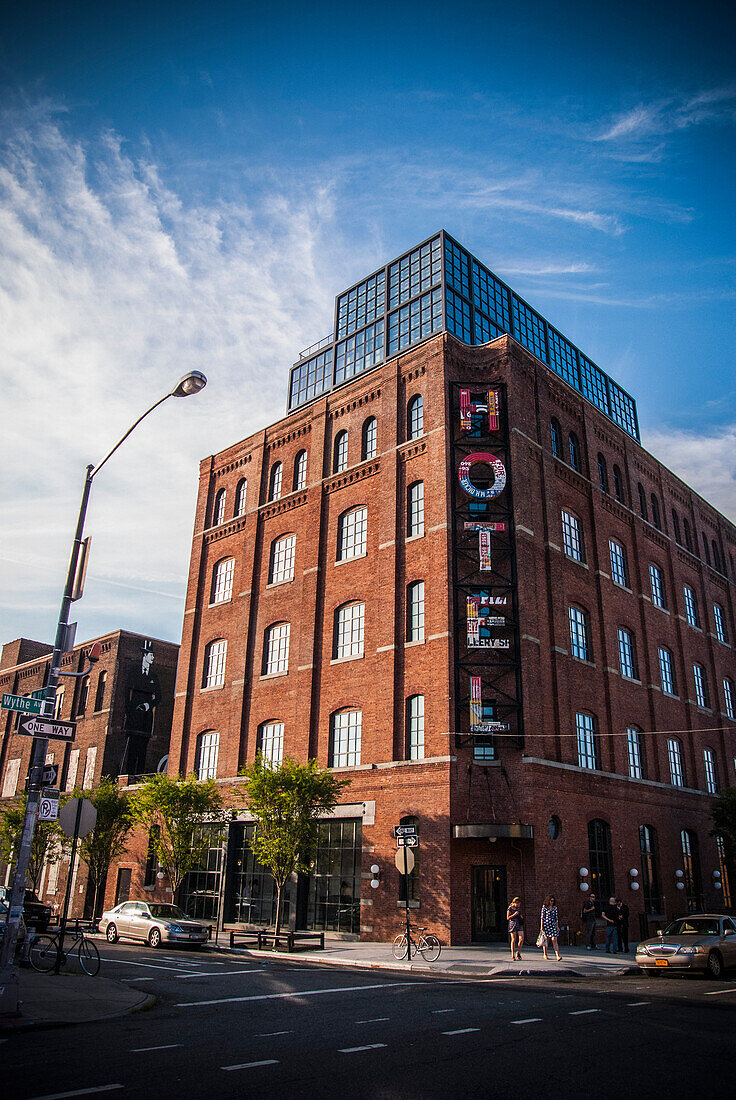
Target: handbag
541	939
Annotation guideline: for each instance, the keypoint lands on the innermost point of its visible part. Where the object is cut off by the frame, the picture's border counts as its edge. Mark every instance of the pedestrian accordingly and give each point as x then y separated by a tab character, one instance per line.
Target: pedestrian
550	925
610	916
622	926
588	915
516	927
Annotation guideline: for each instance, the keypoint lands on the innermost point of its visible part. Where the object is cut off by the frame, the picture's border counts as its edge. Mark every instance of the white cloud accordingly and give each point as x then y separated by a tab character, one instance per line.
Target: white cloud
111	288
676	112
706	462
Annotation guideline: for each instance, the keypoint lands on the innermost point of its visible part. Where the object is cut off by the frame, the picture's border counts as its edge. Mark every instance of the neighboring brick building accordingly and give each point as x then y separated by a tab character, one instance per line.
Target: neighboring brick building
122	710
453	573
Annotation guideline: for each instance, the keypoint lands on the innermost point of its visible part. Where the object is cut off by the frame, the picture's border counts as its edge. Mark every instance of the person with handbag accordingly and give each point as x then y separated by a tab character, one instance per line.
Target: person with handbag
516	927
549	928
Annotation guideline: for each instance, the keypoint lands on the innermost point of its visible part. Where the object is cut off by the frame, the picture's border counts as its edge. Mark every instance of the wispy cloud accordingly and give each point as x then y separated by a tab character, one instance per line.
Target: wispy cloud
704	460
673	113
543	268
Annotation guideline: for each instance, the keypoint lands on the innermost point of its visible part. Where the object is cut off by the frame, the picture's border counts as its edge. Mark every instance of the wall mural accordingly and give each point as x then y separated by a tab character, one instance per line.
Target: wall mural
142	696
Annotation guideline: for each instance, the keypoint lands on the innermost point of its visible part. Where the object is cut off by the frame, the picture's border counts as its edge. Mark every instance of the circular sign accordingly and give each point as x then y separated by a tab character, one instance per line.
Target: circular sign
496	465
404	861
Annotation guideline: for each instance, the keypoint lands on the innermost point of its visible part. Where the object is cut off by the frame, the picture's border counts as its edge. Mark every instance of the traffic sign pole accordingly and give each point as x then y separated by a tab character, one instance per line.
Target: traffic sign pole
68	892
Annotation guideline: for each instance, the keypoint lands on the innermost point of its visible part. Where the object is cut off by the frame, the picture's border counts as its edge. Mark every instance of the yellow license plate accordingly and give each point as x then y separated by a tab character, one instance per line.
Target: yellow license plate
661	962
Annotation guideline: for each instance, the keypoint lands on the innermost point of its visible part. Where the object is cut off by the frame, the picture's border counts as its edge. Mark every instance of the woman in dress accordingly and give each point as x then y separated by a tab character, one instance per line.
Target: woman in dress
516	927
550	925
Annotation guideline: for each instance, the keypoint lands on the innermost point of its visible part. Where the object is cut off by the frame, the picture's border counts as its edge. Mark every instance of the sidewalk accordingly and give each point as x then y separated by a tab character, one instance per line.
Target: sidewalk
53	1000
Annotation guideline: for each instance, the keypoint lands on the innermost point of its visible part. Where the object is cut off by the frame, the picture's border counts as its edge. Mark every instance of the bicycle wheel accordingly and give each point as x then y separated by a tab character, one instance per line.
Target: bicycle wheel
89	957
400	946
430	948
43	953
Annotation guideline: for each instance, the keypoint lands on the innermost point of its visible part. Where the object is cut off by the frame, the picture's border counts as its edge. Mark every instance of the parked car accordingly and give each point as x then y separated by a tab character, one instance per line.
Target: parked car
4	910
702	942
152	922
35	913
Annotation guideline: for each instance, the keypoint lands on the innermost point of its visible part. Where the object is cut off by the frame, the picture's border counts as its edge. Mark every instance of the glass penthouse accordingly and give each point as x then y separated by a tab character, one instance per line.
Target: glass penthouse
440	286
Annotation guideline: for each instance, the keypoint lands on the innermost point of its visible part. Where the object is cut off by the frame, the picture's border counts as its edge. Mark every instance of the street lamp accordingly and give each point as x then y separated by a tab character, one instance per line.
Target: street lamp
190	384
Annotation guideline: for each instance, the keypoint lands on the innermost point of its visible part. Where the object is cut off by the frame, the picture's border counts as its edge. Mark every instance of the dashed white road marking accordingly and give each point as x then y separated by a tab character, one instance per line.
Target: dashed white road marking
215	973
636	1004
270	1034
719	992
167	1046
292	996
436	1011
531	1020
78	1092
355	1050
152	966
375	1020
583	1011
461	1031
252	1065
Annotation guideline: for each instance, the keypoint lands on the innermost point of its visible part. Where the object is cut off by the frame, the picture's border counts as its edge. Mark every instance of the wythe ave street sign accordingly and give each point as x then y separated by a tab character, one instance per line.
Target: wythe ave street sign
25	705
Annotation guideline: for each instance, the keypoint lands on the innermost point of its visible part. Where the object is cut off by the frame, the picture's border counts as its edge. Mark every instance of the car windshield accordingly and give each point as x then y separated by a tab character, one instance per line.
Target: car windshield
166	912
690	926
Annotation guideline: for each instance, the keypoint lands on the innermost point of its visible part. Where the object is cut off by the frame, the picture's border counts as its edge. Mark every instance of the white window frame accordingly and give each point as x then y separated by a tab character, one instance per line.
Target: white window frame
340	460
370	439
633	748
619	563
222	581
218	511
276	649
349	637
208	749
241	497
720	623
415	727
300	473
352	534
415	509
692	614
572	537
345	738
711	771
674	756
666	672
579	633
281	563
657	585
215	659
415	417
271	743
415	611
702	696
627	657
729	697
275	481
587	739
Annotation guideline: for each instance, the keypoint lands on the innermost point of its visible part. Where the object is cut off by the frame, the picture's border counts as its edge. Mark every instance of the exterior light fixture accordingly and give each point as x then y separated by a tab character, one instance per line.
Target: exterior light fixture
189	384
376	873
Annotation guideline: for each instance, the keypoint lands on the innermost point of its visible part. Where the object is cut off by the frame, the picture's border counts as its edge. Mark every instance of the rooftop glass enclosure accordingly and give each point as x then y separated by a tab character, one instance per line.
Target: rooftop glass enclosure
435	287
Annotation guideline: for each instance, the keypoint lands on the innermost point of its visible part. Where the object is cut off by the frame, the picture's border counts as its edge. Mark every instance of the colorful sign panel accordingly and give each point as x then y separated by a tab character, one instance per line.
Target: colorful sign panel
499	470
479	723
490	407
480	619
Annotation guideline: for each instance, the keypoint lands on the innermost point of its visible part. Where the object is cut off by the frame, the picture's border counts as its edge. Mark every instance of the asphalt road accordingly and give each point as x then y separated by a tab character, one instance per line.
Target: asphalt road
229	1025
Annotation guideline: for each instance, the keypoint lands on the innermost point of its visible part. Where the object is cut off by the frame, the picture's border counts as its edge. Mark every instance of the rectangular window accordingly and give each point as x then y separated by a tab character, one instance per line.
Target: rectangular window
89	768
619	566
667	672
346	736
656	580
362	304
282	560
349	630
588	756
674	755
720	621
415	612
711	778
359	352
627	654
634	747
277	648
310	378
728	697
415	510
222	588
214	664
691	607
702	697
572	538
579	645
271	743
207	749
415	727
10	783
352	537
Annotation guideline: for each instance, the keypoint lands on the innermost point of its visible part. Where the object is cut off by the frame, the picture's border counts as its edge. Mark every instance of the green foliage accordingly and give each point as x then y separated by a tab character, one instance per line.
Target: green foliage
109	838
48	839
174	812
287	803
723	812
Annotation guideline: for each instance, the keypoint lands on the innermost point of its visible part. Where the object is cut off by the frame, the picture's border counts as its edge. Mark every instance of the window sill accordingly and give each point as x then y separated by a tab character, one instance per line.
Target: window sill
414	538
273	675
219	603
353	557
631	679
349	657
583	661
577	561
212	687
418	641
664	610
623	587
277	584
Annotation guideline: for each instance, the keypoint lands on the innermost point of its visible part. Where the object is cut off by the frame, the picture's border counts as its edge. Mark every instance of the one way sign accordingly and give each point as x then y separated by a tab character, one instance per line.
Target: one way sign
40	727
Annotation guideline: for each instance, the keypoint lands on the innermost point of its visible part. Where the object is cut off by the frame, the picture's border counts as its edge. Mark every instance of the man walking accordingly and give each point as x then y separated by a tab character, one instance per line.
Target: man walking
610	916
588	915
623	925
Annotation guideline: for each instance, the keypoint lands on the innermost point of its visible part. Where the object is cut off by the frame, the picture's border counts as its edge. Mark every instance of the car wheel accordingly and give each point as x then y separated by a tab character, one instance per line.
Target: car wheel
714	965
154	938
111	935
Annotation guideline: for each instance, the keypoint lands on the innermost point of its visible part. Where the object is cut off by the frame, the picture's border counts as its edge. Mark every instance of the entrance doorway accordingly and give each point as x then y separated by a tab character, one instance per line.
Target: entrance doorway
122	887
489	903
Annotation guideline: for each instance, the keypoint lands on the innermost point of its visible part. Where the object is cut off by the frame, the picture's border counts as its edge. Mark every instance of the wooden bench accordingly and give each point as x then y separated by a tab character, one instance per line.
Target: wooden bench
284	941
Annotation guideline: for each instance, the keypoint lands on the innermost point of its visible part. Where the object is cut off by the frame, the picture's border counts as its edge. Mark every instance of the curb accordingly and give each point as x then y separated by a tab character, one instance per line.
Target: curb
19	1024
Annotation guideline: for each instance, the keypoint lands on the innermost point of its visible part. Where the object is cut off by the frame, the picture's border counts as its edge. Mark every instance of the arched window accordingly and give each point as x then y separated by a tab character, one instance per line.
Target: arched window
218	511
635	753
415	417
642	501
348	635
667	671
674	757
676	525
650	869
300	471
601	859
241	492
688	537
281	564
574	447
276	649
352	534
415	612
83	696
586	728
692	613
579	633
627	659
719	619
274	483
222	581
340	453
572	536
215	656
100	693
415	509
619	563
691	867
602	473
556	437
702	695
369	447
711	771
414	874
618	485
205	763
270	743
656	520
345	737
729	697
656	583
415	727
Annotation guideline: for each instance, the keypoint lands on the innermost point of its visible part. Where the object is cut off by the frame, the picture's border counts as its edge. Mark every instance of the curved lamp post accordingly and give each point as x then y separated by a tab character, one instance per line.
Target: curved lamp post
190	384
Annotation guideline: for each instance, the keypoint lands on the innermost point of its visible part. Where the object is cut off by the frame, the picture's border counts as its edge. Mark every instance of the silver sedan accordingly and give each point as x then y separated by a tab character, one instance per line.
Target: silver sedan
704	942
154	923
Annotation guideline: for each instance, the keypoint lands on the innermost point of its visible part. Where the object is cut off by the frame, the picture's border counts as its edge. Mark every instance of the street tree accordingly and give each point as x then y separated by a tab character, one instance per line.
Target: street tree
723	813
48	840
109	838
287	802
177	814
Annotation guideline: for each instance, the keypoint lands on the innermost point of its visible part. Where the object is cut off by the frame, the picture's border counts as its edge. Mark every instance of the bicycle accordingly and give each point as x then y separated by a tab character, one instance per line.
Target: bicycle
428	946
45	949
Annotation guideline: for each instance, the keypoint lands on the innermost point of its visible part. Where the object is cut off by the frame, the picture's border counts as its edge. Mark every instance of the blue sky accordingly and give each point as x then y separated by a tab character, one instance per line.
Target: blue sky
190	185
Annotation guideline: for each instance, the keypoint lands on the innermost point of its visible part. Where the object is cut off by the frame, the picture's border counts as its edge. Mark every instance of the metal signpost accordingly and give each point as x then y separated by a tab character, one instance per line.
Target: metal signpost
77	818
406	839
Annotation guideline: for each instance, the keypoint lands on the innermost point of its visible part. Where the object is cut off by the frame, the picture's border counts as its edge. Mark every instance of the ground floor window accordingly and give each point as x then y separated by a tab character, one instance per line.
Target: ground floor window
334	883
199	893
250	896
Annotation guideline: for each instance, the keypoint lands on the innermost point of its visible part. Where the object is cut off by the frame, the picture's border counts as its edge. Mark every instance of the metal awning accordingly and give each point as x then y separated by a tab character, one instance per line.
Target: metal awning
492	829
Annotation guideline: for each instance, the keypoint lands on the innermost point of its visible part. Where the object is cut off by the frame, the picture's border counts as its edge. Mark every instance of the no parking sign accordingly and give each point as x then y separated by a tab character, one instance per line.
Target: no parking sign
48	807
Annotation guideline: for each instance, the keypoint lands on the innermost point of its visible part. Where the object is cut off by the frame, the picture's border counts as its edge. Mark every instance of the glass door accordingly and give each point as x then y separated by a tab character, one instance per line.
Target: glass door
488	904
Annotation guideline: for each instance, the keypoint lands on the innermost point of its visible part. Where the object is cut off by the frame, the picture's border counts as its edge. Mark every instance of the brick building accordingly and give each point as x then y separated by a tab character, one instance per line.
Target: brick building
122	709
452	573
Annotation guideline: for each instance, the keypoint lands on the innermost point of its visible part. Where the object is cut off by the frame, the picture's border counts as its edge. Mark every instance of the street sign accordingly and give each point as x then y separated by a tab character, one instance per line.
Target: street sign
39	693
87	817
407	841
50	775
404	861
405	830
57	731
22	704
48	808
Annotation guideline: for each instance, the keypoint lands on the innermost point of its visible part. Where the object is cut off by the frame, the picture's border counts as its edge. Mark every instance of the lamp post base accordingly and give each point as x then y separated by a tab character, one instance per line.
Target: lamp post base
9	1004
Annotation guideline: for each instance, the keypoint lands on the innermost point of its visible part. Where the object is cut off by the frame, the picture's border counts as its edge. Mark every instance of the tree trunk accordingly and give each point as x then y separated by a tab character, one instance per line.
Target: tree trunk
279	891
